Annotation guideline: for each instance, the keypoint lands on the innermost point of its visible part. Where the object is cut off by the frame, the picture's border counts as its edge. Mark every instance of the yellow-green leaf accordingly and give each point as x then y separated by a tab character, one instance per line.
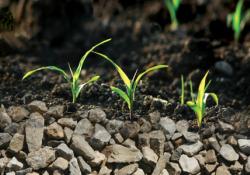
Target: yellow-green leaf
122	94
145	72
122	74
201	91
53	68
79	68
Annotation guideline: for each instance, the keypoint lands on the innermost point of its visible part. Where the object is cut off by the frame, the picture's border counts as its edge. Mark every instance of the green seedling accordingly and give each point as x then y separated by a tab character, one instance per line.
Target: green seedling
199	105
238	19
73	78
130	85
182	97
173	6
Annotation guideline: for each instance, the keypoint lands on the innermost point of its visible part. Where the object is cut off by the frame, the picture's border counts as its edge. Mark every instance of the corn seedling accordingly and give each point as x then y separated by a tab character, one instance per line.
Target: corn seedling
182	97
199	105
130	85
73	78
238	19
173	6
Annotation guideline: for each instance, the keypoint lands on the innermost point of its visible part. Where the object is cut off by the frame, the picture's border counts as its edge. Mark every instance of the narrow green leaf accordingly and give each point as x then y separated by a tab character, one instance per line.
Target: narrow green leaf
201	91
93	79
176	4
145	72
122	74
182	90
53	68
213	95
122	94
79	68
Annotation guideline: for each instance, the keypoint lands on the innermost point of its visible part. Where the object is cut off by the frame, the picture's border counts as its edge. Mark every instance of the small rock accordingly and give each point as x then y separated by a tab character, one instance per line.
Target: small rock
55	131
100	137
5	138
214	143
129	143
247	166
121	154
82	148
41	158
67	122
16	143
228	153
56	111
104	171
97	115
128	170
60	163
232	141
164	172
176	136
189	164
149	156
38	106
14	165
156	141
84	167
18	113
67	134
74	168
130	130
244	145
224	68
154	117
211	167
161	164
225	127
201	160
222	170
64	151
139	172
113	126
175	156
84	127
191	137
236	168
168	126
5	120
210	156
24	171
14	128
99	158
173	168
34	131
145	126
182	126
191	149
118	138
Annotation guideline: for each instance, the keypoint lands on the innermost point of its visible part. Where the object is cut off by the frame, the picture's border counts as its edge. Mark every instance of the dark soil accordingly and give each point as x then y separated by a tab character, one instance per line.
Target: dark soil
140	39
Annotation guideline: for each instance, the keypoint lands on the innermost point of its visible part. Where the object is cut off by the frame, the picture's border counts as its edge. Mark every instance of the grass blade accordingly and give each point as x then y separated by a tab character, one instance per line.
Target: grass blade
214	96
122	94
145	72
93	79
79	68
201	91
122	74
182	90
53	68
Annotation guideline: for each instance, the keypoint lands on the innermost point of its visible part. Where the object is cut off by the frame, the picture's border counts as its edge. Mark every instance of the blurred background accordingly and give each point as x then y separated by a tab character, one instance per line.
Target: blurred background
56	31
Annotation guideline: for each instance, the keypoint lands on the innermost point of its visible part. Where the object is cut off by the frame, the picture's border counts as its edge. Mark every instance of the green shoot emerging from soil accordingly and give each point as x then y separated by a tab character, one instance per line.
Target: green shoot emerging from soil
73	78
173	6
238	19
182	97
199	105
130	85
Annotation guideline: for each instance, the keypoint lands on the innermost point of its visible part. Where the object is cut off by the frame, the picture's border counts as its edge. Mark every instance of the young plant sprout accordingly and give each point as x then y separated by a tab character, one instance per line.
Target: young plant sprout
173	6
238	19
73	78
199	105
182	97
130	85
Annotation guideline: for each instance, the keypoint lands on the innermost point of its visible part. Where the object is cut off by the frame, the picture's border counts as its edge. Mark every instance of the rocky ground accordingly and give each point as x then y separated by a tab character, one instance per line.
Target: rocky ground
43	139
42	132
